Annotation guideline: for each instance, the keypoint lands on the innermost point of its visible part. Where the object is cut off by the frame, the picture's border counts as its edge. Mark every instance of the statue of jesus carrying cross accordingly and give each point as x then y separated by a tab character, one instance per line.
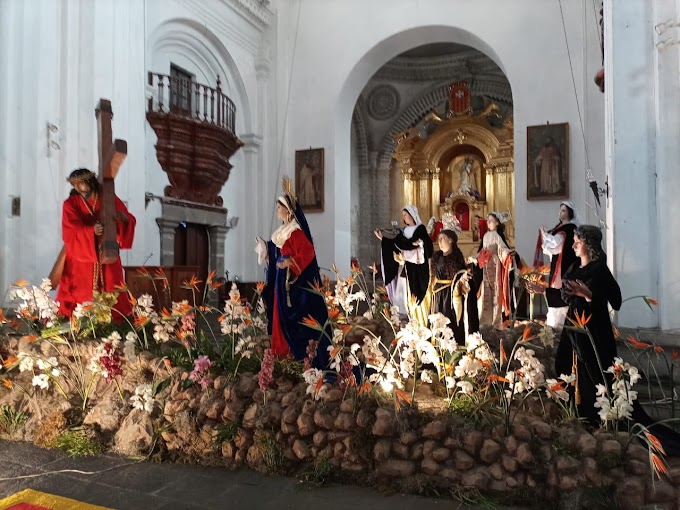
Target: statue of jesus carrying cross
95	224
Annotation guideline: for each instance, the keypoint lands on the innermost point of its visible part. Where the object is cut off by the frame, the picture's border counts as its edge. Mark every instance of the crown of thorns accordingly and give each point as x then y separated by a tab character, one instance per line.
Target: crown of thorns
85	176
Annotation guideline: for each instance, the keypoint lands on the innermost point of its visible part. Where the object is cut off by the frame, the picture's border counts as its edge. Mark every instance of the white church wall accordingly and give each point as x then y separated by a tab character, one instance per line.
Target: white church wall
209	39
642	94
525	38
63	57
631	156
667	94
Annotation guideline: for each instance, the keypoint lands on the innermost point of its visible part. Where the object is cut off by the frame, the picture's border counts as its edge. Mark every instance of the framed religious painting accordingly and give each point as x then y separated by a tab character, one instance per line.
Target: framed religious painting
548	162
309	174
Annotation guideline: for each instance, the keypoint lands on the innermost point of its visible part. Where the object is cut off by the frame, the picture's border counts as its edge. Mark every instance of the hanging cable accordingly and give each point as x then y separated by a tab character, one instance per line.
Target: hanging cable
285	118
578	108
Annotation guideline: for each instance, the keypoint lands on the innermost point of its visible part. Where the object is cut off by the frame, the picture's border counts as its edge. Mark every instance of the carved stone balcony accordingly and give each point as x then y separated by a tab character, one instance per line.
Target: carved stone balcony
195	128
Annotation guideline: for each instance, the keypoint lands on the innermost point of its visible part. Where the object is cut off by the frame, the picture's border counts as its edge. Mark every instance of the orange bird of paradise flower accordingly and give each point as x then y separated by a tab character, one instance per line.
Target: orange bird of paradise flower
654	441
365	388
193	282
637	343
658	464
11	361
401	396
140	321
496	377
526	334
581	320
311	322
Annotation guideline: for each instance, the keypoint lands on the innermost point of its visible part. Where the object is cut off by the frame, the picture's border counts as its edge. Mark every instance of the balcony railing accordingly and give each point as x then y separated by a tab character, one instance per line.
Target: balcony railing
180	96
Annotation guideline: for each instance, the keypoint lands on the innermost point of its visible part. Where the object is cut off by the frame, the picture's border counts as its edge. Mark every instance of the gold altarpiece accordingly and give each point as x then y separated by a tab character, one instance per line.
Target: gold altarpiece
465	166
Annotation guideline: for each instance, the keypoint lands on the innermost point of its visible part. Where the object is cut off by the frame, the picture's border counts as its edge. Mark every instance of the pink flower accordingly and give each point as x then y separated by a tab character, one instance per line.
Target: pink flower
205	381
266	374
201	372
202	364
311	354
188	323
111	362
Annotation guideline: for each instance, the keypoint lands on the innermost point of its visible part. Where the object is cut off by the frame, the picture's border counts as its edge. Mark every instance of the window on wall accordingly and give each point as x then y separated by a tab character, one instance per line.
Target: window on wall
181	88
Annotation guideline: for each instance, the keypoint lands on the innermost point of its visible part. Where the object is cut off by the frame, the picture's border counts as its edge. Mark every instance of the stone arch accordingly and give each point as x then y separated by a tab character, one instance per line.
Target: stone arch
364	68
194	39
359	126
490	86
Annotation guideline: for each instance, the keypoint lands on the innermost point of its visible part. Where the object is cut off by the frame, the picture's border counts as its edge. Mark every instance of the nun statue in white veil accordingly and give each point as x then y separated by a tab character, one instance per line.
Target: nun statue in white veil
557	243
406	266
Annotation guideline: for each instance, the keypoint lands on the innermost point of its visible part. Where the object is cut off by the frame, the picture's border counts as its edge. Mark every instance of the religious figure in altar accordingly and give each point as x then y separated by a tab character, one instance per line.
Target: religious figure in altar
81	229
467	176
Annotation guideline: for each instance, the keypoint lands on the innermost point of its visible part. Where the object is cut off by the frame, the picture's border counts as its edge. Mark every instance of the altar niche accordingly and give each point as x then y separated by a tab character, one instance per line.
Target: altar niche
464	167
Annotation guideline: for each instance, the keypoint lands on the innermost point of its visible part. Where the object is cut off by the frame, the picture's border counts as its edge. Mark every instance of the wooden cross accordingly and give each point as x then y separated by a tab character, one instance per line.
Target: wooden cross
111	156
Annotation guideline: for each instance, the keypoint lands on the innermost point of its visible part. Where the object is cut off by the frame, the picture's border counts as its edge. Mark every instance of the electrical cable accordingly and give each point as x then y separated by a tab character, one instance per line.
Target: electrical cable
285	116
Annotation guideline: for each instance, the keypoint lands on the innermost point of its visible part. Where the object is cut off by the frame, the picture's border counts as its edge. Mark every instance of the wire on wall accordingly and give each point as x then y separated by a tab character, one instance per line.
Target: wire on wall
589	176
285	117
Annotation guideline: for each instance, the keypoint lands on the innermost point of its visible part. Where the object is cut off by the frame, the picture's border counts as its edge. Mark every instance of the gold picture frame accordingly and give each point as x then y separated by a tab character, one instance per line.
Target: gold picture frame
548	162
309	179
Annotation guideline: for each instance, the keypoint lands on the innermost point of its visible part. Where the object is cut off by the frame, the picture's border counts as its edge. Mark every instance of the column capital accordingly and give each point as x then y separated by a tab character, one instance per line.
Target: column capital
219	230
252	142
167	224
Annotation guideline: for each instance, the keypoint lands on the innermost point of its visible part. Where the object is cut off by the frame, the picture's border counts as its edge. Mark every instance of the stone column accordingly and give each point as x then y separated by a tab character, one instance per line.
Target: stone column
217	233
668	161
630	159
435	195
167	228
365	215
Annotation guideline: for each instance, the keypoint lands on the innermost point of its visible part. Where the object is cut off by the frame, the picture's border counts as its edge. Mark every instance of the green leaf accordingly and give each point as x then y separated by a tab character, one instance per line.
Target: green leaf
159	386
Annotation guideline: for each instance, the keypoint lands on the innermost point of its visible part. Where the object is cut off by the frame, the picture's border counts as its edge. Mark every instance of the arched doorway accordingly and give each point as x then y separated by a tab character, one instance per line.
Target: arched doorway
404	104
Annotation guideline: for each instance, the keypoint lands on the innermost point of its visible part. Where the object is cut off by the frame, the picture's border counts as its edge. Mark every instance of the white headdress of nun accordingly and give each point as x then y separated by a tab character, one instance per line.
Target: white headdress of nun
571	206
410	229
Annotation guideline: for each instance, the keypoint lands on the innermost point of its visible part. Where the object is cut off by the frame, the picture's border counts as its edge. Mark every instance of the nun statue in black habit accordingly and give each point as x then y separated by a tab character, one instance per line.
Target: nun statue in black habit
450	282
406	266
589	288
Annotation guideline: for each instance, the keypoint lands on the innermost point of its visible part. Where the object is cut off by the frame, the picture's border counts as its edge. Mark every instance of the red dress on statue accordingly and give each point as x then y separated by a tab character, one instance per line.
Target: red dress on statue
301	253
78	278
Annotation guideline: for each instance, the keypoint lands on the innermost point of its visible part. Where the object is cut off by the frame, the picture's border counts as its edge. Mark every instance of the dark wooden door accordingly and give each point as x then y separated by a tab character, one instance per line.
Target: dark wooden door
192	248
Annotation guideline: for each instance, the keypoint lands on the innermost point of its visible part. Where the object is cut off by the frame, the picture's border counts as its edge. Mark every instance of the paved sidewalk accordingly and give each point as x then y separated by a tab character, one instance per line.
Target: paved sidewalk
168	486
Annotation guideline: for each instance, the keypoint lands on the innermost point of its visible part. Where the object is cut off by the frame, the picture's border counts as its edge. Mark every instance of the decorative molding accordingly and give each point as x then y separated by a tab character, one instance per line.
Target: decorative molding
195	156
466	64
383	102
251	141
255	11
362	139
206	49
248	36
489	86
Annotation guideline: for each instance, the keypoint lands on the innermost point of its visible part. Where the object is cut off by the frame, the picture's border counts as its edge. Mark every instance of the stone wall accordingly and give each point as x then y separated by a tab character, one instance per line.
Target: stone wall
358	438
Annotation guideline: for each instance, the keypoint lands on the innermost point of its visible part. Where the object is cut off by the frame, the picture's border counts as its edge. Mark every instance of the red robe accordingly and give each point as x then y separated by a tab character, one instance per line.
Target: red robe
77	279
301	253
